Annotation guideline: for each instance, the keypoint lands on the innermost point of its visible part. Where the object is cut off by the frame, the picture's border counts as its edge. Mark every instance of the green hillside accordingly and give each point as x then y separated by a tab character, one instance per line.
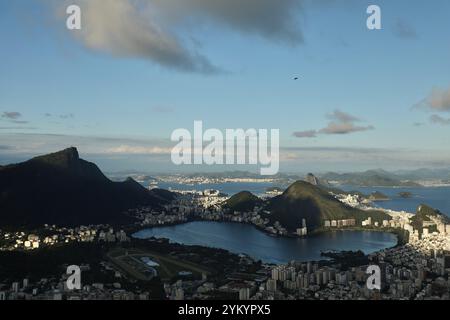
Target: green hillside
60	188
243	202
302	200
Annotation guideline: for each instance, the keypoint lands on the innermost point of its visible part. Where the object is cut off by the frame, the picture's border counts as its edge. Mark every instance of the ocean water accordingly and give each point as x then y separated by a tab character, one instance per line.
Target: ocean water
436	197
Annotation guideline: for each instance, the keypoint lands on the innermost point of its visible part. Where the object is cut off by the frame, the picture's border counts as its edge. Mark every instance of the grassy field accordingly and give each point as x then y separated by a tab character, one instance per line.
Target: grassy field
169	267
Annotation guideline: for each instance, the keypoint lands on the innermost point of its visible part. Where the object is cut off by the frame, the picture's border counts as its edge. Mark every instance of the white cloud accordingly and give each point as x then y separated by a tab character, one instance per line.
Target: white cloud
436	119
438	100
149	155
127	149
275	20
151	29
12	115
344	128
341	123
125	28
305	134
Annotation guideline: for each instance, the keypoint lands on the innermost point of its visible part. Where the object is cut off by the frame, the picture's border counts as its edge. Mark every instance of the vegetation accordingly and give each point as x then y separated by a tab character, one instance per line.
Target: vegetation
347	259
405	195
243	202
377	196
48	262
305	201
377	178
61	188
168	268
424	214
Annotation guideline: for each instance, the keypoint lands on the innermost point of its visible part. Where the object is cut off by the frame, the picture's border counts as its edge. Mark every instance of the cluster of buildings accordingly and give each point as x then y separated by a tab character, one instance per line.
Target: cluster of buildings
353	200
310	280
188	204
418	270
234	288
53	235
189	289
237	283
340	223
208	205
303	231
399	219
205	205
18	240
415	270
57	289
201	180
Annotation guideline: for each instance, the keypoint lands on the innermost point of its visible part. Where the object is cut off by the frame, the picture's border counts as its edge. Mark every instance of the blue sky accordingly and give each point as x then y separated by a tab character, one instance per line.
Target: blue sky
113	98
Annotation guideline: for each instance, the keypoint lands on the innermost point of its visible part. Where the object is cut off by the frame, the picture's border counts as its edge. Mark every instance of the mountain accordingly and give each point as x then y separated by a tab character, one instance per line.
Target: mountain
371	178
312	179
425	214
405	194
60	188
242	202
424	174
303	200
377	196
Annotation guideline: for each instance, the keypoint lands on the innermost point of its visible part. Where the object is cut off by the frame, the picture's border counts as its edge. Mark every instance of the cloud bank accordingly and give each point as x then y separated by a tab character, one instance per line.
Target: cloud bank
438	101
151	29
305	134
340	123
436	119
117	154
11	115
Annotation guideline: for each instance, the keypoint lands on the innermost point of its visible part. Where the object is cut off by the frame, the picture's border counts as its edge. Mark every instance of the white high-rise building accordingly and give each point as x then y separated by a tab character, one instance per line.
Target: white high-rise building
244	294
179	294
271	285
15	287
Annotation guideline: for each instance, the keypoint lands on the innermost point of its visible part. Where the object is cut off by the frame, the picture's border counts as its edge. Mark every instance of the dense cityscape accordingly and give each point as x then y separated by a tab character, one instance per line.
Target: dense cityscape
214	159
417	268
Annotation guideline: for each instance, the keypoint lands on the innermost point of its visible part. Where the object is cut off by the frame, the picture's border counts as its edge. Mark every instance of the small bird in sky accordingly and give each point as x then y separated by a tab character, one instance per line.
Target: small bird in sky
296	78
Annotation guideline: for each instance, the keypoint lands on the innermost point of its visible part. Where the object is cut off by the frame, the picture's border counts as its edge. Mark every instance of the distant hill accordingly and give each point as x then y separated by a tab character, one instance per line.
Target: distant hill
405	194
371	178
312	179
423	214
242	202
60	188
377	196
303	200
424	174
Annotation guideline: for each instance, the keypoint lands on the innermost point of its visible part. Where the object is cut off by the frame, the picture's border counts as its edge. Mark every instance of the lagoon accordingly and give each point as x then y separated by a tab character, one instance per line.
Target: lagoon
246	239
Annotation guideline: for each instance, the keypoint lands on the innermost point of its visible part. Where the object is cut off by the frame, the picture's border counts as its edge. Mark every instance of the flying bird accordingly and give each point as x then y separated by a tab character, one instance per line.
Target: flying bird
296	78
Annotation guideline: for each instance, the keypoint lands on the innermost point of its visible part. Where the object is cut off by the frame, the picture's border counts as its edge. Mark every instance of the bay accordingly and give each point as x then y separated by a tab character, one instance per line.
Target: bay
435	197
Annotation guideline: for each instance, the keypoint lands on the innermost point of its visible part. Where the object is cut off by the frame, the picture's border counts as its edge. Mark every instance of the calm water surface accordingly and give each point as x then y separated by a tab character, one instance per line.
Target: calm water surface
242	238
435	197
